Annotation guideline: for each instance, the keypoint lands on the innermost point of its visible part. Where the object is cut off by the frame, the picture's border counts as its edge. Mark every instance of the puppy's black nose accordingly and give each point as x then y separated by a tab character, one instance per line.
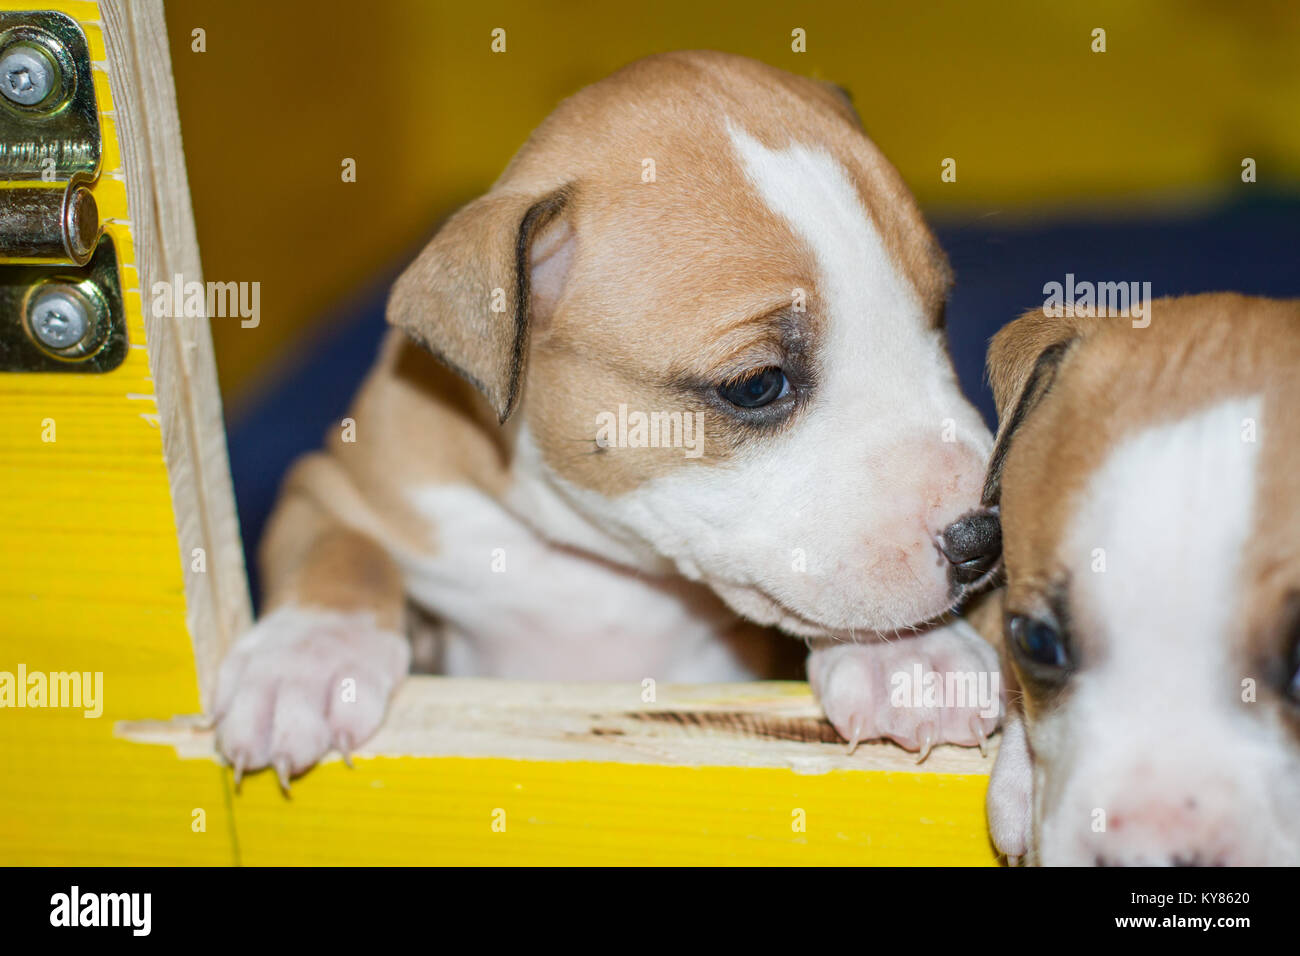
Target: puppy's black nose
972	544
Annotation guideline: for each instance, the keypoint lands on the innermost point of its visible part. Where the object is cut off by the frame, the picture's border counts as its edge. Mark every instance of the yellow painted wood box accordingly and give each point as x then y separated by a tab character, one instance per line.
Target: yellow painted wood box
121	558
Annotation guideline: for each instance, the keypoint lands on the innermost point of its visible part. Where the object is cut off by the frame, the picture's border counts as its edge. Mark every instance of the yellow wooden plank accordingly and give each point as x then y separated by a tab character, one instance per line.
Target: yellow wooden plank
90	580
412	810
592	773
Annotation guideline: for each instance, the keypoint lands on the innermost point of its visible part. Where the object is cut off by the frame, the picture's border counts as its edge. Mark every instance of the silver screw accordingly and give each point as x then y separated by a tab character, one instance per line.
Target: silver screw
59	316
26	75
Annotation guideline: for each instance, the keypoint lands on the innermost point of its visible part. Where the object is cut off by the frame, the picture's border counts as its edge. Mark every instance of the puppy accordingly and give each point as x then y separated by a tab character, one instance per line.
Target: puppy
1151	519
690	385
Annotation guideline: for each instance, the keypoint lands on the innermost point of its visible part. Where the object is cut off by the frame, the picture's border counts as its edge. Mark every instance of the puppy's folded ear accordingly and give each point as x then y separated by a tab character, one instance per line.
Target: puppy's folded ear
1022	365
494	270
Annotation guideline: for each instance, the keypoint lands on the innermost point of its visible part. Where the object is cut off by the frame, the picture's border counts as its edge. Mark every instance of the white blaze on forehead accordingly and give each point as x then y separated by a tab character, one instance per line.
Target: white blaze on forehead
860	284
1172	509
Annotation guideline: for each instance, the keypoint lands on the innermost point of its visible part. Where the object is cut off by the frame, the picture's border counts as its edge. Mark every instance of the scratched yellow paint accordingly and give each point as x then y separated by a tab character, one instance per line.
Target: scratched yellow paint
90	580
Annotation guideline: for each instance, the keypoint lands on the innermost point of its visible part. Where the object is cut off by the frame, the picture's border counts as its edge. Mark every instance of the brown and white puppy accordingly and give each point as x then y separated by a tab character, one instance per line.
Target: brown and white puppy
1150	500
706	244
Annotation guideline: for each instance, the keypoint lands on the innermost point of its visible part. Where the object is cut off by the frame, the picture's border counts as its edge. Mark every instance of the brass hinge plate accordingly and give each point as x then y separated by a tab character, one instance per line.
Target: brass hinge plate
60	292
41	306
50	143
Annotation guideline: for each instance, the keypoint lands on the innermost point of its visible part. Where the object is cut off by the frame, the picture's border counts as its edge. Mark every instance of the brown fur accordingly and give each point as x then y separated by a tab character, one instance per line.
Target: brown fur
1116	380
709	262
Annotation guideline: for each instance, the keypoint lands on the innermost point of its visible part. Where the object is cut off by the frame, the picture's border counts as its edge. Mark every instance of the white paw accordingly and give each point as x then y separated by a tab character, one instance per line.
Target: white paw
885	689
301	683
1011	793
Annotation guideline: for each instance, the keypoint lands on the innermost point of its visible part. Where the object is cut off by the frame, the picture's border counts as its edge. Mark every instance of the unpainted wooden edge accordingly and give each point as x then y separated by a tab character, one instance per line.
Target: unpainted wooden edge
218	606
761	724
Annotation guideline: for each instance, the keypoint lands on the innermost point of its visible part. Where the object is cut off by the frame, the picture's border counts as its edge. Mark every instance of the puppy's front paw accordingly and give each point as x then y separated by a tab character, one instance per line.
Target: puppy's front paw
303	682
1011	793
942	686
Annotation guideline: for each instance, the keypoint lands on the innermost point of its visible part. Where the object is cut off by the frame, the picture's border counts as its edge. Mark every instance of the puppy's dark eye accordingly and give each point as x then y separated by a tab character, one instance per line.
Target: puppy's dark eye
757	389
1038	643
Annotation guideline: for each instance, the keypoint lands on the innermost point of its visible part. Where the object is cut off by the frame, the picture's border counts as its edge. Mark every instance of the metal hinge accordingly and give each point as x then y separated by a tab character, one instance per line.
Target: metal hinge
60	296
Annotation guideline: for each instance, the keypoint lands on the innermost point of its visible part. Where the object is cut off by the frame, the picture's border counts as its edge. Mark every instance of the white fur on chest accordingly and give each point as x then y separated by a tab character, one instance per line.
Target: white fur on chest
514	605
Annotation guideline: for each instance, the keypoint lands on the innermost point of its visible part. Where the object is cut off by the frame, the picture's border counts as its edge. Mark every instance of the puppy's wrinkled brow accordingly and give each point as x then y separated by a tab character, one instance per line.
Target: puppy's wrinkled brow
782	338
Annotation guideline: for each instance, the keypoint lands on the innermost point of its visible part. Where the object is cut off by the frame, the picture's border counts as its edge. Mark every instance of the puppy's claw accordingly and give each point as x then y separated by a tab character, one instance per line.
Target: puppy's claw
239	772
343	744
282	773
926	738
856	737
977	728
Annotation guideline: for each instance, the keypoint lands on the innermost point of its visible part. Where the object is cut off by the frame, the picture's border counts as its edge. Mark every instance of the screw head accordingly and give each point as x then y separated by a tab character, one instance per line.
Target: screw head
27	75
59	317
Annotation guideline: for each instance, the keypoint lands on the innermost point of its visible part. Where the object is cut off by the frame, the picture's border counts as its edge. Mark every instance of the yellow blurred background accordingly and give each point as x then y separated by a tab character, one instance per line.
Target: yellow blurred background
283	93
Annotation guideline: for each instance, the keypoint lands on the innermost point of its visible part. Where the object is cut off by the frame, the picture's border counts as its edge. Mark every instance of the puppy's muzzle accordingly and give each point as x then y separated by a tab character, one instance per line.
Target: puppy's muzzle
972	544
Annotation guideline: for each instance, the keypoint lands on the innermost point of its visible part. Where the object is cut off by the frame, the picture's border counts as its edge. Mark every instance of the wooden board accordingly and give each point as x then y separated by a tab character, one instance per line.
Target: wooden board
180	352
90	568
594	774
